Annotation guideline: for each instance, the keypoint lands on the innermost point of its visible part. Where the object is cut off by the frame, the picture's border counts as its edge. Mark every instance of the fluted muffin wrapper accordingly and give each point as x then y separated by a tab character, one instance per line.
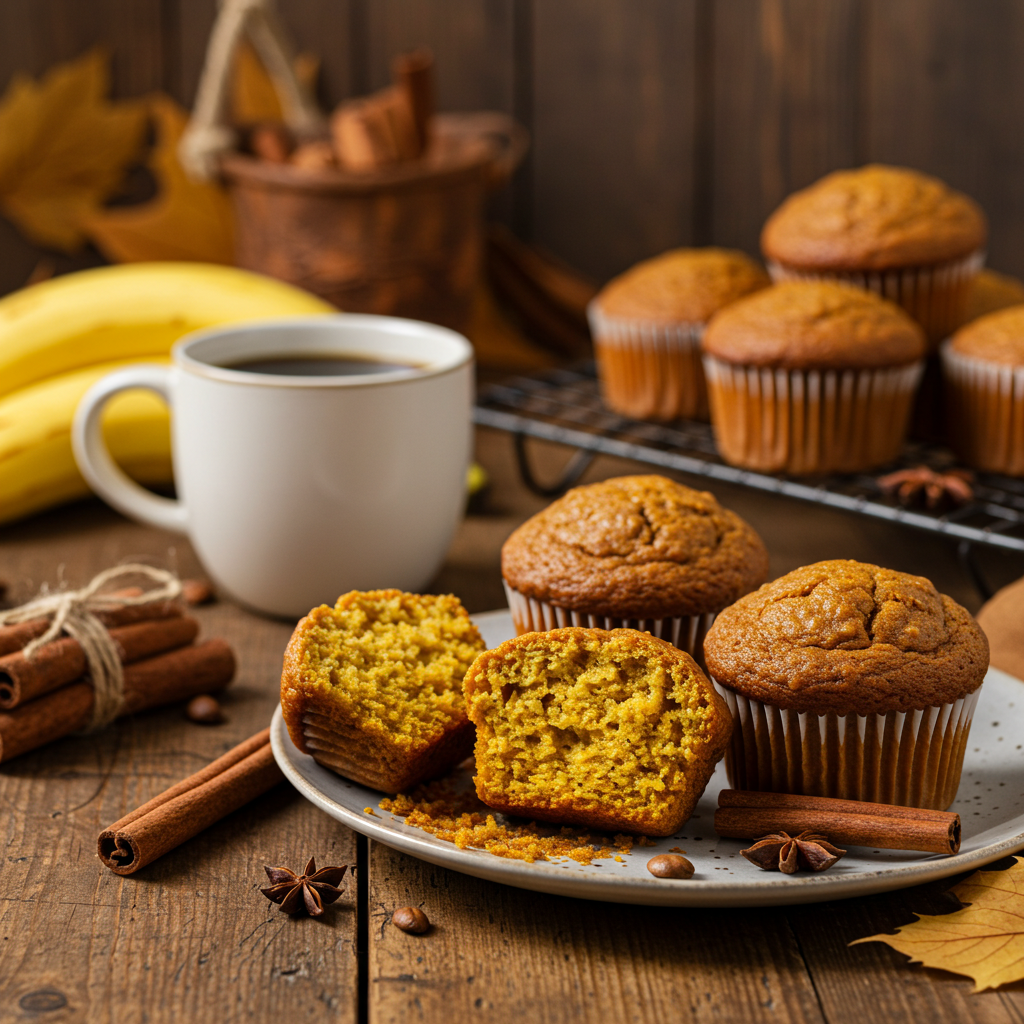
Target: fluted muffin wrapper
987	412
911	758
686	632
809	421
649	371
935	296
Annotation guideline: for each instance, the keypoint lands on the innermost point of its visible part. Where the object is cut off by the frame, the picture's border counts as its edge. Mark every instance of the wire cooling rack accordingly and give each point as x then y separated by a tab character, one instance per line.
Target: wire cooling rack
565	406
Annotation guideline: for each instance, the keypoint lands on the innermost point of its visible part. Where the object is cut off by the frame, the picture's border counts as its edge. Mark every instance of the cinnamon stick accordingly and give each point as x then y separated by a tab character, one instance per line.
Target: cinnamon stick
15	637
183	811
751	815
62	661
164	679
414	75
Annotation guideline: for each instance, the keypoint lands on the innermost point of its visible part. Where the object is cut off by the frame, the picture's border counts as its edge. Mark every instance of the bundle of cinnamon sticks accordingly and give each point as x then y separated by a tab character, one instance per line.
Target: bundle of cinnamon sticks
49	695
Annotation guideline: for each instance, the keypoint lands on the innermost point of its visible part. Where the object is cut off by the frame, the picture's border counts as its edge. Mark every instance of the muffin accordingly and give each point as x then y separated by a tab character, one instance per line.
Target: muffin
615	730
983	365
640	552
894	231
372	688
991	292
849	680
647	324
811	377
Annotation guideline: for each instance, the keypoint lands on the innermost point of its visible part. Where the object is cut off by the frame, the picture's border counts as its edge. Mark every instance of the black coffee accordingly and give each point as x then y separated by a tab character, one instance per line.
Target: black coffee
318	365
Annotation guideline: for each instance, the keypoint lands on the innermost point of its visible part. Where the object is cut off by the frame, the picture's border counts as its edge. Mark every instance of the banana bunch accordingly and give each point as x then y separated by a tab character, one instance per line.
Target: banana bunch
60	337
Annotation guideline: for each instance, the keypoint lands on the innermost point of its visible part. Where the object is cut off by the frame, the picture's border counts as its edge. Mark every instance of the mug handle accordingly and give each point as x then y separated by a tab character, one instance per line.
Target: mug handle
102	474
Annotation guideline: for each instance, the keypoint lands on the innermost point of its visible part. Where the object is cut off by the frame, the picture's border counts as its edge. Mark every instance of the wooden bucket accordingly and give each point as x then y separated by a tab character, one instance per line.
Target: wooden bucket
406	240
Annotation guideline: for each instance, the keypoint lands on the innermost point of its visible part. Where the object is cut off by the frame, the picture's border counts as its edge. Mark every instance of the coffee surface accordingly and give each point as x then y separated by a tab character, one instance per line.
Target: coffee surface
318	364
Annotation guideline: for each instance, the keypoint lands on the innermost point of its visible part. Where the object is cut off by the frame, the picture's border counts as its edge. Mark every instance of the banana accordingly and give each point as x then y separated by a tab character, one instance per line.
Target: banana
37	467
131	311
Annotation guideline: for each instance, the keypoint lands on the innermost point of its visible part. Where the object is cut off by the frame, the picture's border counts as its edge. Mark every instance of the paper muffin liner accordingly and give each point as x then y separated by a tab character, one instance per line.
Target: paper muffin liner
686	632
935	296
911	758
986	403
809	421
649	371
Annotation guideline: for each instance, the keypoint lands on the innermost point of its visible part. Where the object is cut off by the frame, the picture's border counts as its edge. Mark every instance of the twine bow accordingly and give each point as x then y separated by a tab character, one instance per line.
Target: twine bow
74	612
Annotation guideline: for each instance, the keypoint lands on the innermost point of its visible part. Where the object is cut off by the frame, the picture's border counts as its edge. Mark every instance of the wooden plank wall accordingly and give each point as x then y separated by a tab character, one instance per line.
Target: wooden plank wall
655	122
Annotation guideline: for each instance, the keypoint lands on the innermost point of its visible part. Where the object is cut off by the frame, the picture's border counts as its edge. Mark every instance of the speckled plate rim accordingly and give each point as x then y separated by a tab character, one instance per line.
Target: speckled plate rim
346	802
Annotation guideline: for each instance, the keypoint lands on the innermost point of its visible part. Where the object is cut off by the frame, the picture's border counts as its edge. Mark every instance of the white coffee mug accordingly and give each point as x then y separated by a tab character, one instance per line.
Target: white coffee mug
295	489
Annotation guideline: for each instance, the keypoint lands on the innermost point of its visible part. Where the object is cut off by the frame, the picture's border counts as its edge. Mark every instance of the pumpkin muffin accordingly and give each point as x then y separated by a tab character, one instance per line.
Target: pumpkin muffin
811	377
983	364
849	680
647	325
894	231
372	687
991	292
641	552
615	730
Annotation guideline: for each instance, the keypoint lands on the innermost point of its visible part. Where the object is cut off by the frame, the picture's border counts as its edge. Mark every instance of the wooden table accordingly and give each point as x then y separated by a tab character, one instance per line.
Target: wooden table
190	938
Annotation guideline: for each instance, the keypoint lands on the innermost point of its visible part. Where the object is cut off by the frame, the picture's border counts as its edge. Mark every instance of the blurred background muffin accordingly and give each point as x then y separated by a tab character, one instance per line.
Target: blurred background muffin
990	292
811	377
640	552
849	680
897	232
647	324
983	365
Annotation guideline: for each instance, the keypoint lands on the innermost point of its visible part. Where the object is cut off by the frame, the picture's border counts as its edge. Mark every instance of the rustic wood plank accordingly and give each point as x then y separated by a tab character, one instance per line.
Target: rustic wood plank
613	125
190	937
897	989
785	91
944	92
496	954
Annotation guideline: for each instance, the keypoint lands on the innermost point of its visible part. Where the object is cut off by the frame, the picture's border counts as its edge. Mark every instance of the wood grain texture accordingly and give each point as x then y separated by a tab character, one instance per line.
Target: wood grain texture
785	95
496	954
613	89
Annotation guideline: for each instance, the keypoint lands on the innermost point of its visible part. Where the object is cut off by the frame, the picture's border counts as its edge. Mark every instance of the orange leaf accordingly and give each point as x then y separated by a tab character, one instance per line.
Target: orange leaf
64	148
186	221
985	940
253	96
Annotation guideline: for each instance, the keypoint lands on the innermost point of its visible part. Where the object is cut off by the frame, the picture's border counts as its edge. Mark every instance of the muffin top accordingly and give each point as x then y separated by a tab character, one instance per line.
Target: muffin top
635	547
991	292
814	325
996	338
873	218
682	284
850	638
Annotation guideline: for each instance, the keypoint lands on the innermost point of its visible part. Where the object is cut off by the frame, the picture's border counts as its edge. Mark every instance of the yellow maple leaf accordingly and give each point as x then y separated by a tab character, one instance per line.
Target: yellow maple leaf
187	220
984	940
64	149
253	96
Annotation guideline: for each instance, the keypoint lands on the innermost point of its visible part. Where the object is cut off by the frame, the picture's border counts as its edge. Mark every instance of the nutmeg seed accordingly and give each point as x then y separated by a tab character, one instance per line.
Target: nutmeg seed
410	919
670	865
205	710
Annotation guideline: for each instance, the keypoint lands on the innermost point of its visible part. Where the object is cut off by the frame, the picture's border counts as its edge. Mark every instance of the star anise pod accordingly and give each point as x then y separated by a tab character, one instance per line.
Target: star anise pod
783	852
310	890
911	484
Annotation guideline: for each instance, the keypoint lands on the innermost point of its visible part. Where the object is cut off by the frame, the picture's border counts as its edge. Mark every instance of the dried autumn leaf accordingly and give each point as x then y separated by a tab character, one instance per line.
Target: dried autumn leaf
64	149
187	220
253	96
985	940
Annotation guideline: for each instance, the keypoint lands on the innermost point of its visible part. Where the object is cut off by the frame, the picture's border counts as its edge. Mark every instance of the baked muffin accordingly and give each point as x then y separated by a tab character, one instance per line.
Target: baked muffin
615	729
849	680
894	231
811	377
991	292
983	364
372	687
640	552
647	325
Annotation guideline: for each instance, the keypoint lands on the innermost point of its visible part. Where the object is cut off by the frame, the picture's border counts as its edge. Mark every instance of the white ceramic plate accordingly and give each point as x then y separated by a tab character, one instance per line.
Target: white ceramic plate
990	804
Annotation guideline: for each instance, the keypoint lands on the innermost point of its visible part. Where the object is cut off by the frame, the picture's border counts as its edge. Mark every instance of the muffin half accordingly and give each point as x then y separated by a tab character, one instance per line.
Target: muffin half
372	687
606	729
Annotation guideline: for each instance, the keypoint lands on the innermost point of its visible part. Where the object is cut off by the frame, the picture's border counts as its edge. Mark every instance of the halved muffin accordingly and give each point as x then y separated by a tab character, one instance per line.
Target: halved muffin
372	687
611	729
